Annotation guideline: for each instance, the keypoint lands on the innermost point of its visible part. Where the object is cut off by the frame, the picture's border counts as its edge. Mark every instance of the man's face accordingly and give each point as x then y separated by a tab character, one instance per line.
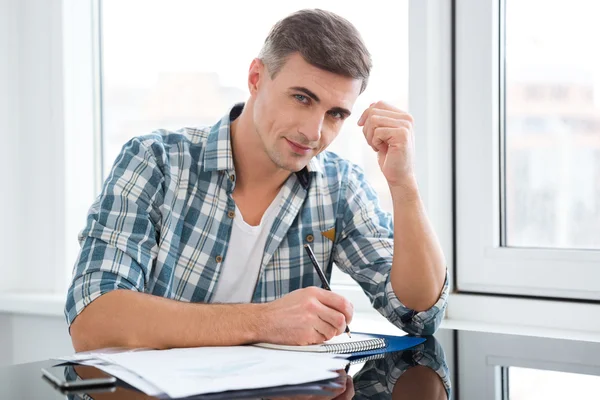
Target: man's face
299	112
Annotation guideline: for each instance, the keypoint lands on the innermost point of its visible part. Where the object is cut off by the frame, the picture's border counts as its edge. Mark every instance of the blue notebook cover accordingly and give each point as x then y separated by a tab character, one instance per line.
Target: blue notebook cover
394	343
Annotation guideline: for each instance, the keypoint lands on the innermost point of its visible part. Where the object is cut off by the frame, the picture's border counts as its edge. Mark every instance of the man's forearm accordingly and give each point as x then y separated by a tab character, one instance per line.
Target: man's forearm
418	267
124	318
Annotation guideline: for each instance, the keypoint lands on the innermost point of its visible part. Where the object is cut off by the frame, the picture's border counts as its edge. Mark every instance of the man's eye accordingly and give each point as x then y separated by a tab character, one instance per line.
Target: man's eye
301	98
336	115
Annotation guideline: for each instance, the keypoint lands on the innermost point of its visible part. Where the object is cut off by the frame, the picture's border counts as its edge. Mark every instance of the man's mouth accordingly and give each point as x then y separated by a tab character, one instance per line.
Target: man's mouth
299	148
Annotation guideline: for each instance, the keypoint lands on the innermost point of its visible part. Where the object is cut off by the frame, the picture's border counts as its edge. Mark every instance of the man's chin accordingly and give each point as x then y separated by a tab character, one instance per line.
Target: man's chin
293	167
291	164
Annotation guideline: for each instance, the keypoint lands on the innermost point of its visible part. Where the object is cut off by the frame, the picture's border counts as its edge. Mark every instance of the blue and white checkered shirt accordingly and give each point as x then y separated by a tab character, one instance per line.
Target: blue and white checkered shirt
162	222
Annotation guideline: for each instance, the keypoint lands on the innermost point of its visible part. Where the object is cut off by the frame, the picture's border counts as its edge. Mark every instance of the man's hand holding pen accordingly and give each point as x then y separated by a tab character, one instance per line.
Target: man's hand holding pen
305	316
321	274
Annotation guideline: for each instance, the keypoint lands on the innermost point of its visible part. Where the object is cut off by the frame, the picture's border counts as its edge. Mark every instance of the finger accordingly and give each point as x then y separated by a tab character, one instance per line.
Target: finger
392	114
325	329
382	105
336	319
377	120
368	133
349	393
338	391
336	302
391	137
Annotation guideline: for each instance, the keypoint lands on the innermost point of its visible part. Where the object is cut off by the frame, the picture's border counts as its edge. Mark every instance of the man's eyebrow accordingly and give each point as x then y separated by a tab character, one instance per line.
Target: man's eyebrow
307	92
313	96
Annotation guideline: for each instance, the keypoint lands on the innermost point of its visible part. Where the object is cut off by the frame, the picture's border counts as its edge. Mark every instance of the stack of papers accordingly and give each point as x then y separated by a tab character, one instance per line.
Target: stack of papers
194	371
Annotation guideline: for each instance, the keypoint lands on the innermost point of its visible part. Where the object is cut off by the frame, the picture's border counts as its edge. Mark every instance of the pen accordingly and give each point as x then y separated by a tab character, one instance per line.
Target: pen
326	286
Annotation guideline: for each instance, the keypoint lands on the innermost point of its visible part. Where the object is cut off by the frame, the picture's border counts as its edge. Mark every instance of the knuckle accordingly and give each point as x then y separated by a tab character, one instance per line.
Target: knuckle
340	321
317	337
311	305
331	332
349	307
404	136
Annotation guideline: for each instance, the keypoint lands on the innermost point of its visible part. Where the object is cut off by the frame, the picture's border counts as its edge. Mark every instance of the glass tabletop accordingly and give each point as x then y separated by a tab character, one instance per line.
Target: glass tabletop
453	364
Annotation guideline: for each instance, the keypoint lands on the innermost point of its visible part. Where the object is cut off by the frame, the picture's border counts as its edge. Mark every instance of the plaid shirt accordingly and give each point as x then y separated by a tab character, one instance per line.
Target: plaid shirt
162	222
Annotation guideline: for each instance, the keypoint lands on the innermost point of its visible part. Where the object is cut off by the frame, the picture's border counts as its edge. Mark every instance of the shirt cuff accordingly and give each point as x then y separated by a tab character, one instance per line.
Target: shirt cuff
89	287
413	322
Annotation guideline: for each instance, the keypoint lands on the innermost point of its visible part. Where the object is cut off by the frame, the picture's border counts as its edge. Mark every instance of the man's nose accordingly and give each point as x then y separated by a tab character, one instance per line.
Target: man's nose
311	128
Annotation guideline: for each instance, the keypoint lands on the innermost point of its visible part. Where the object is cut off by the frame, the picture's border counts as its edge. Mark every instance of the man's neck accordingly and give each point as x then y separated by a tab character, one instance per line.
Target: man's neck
254	169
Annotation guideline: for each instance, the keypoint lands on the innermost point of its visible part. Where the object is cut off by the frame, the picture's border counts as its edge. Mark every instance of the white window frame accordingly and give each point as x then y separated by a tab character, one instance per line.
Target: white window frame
82	115
483	265
482	357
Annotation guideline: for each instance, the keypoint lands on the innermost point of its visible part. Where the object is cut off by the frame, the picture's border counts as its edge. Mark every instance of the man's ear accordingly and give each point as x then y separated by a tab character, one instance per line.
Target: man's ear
256	75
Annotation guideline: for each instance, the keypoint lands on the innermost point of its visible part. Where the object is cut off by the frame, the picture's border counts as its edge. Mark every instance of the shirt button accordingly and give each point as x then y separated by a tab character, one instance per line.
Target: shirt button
310	238
232	178
231	214
219	259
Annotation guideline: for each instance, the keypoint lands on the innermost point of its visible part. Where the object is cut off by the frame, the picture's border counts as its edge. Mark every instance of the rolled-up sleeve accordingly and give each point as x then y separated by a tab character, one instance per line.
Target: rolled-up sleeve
119	241
365	249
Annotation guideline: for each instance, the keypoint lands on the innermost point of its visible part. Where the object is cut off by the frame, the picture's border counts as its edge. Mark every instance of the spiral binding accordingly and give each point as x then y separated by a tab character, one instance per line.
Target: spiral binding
367	358
354	347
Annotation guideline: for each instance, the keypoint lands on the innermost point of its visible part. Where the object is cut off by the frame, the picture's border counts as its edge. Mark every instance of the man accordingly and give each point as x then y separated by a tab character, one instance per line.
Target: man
197	237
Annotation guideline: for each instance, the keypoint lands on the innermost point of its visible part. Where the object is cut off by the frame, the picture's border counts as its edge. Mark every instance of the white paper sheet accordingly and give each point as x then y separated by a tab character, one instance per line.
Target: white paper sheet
193	371
92	358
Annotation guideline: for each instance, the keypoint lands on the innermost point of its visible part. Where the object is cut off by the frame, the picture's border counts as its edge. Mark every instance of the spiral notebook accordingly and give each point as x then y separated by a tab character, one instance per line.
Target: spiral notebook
341	344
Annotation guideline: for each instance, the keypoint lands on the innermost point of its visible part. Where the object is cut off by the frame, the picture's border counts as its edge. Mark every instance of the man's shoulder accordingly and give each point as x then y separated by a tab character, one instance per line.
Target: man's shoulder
186	136
165	145
338	168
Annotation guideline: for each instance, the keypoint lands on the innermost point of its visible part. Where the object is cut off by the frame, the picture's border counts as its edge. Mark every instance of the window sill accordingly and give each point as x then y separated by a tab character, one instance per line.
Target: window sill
50	305
523	316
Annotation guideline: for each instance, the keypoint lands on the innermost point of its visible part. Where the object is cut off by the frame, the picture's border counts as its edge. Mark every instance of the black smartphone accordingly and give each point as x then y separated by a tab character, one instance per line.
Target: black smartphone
75	377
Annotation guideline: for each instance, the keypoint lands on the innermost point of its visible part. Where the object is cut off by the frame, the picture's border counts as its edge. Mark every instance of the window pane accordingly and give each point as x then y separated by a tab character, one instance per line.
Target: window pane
533	384
169	64
552	124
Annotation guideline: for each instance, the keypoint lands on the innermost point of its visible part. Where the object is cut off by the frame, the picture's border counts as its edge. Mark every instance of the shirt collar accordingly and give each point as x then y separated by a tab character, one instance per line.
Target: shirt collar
219	156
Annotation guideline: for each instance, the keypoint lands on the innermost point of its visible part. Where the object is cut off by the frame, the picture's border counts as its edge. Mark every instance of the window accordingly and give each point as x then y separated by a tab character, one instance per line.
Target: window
535	384
554	205
528	212
183	65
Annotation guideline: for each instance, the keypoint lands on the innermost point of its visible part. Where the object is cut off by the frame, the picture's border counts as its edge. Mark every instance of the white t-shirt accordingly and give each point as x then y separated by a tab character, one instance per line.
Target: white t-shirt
241	264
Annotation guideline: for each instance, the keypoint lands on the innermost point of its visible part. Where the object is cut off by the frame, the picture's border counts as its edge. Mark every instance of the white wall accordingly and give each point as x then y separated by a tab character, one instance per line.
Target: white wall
27	338
31	133
10	200
33	168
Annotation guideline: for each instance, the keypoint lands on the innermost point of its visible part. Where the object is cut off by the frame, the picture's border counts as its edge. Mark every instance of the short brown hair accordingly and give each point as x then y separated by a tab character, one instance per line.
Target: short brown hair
323	39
